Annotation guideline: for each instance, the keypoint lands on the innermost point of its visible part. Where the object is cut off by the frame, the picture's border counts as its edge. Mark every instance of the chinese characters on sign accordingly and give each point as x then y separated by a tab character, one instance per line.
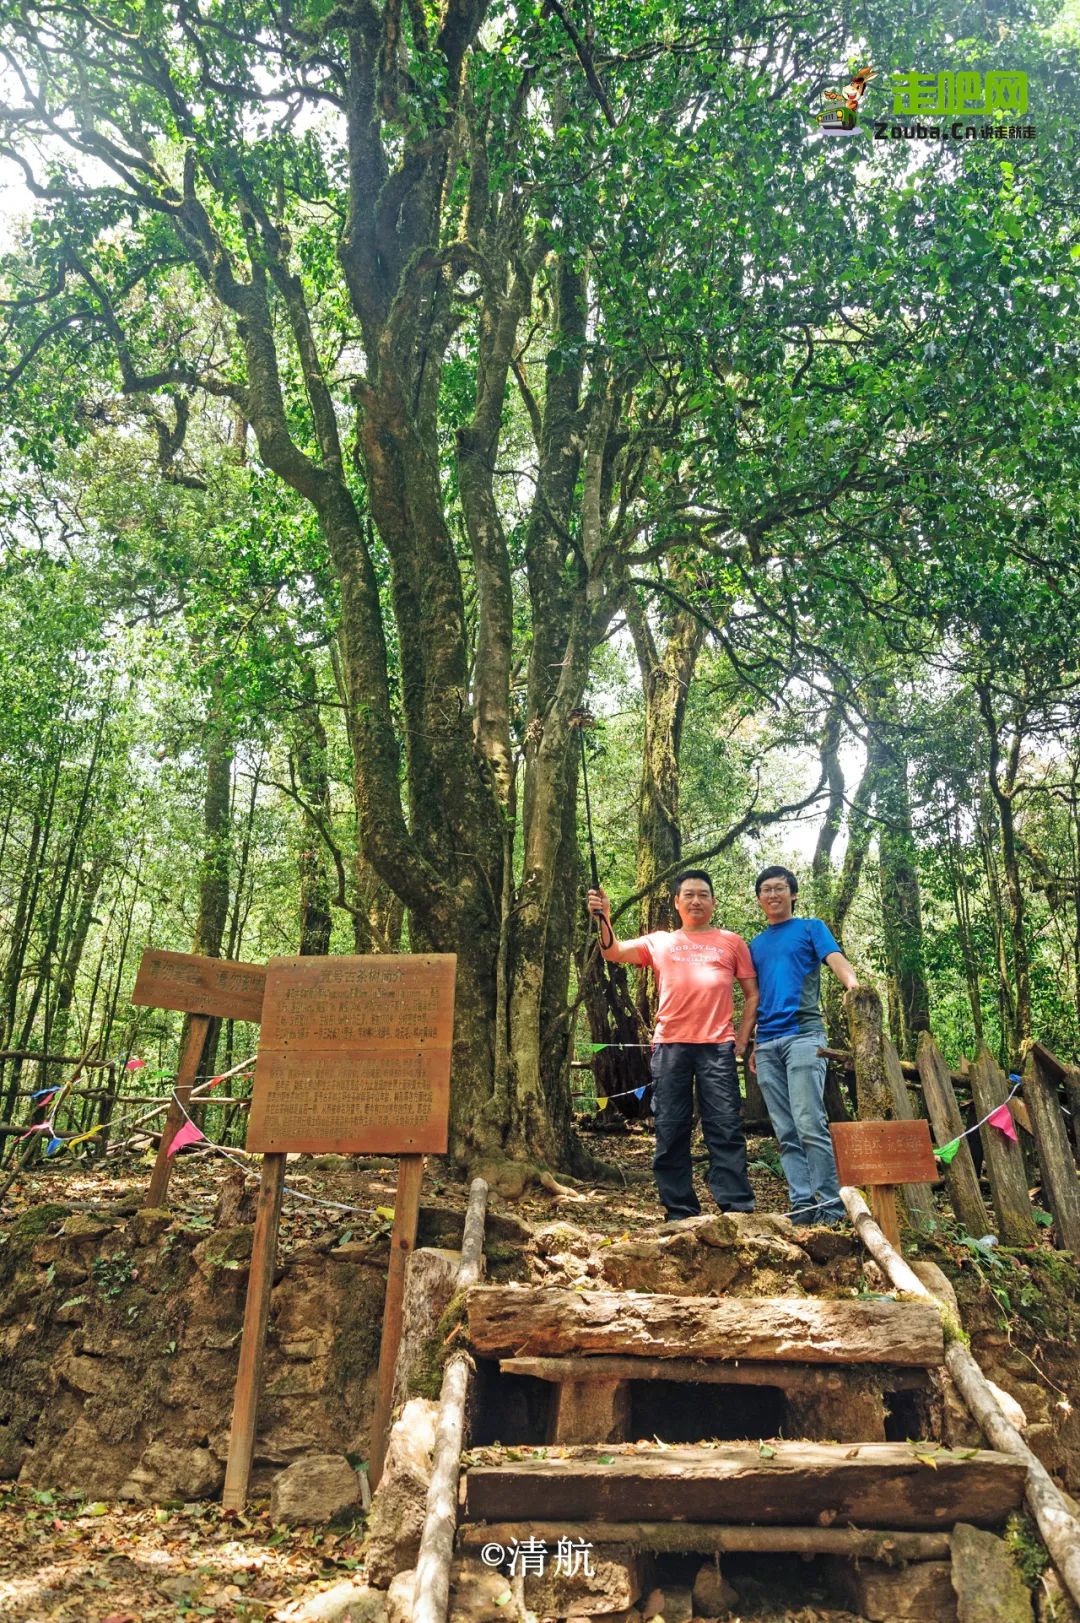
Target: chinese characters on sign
965	94
531	1555
354	1055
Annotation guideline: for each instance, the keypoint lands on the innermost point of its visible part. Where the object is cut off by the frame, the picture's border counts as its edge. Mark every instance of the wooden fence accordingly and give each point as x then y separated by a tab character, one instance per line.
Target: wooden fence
1044	1154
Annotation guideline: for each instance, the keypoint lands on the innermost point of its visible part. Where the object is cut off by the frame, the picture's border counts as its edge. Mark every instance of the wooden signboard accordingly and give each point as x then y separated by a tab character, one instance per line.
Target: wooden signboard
354	1055
879	1155
205	989
220	987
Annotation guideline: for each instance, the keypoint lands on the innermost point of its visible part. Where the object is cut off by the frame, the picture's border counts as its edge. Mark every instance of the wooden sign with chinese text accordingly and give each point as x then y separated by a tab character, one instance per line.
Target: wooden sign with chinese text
354	1055
883	1152
220	987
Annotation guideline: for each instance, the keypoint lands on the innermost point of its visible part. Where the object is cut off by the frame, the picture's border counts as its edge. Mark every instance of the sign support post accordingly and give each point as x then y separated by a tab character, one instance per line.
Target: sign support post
253	1342
186	1072
402	1244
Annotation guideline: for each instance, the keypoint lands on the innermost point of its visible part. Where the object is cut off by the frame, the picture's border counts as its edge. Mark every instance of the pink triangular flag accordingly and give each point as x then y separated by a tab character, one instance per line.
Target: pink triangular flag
187	1134
1001	1118
135	1064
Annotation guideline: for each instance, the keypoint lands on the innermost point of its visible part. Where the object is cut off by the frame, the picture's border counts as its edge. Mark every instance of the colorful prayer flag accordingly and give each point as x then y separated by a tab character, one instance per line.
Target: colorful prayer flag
53	1145
135	1064
947	1152
639	1093
187	1134
1001	1118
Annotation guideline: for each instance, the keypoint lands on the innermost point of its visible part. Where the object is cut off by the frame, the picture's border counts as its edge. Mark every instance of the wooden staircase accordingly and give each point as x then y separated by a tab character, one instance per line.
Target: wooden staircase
837	1487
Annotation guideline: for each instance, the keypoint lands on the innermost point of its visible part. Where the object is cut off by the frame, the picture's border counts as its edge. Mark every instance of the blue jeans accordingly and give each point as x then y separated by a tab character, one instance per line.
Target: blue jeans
675	1067
791	1075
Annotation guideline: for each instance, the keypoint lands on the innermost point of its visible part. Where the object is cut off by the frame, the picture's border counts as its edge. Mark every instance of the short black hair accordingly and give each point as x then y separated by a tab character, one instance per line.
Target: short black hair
691	873
777	871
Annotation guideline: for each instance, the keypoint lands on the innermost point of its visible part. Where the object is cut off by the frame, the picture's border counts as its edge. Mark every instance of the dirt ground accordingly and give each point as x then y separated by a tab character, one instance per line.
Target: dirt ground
72	1560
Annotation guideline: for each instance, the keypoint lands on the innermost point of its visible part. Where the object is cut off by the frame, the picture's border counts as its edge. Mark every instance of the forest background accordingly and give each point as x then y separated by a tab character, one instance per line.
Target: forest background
386	384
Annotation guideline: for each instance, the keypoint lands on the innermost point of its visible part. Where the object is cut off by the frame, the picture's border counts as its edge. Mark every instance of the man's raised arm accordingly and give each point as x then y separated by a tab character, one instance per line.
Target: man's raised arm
619	952
843	971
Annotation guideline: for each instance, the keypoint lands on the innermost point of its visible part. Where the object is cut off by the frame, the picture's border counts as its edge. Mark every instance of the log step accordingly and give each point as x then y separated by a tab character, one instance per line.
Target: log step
883	1485
507	1321
885	1544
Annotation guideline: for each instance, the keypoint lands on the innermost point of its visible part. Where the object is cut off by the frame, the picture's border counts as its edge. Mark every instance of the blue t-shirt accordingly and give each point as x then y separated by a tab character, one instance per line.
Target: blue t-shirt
788	958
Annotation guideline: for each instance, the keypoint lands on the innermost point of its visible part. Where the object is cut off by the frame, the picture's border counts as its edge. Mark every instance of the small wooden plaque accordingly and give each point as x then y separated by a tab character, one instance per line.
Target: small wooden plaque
354	1055
883	1152
221	987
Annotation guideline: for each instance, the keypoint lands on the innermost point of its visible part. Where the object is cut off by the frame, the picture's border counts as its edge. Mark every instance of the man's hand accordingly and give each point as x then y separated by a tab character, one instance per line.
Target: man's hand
600	902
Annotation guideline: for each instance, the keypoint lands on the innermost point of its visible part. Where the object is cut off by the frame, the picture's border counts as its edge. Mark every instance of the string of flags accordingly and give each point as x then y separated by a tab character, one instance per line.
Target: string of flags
1000	1117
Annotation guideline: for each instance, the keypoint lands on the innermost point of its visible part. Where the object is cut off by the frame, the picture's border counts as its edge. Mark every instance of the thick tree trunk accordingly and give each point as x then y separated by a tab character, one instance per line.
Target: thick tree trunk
821	869
1002	775
310	766
665	682
901	902
72	955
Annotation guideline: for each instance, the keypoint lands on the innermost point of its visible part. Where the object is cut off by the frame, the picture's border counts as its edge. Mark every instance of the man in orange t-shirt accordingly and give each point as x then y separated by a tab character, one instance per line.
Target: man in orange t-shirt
695	1041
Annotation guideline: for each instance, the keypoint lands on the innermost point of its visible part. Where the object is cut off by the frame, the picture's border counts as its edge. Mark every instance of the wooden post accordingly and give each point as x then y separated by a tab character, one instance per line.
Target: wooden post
187	1071
431	1594
917	1197
253	1342
754	1112
961	1179
1004	1160
1055	1155
402	1241
1069	1076
872	1093
883	1206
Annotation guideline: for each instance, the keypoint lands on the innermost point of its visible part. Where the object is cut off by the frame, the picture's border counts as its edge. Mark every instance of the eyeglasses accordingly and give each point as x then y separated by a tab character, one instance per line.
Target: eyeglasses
774	890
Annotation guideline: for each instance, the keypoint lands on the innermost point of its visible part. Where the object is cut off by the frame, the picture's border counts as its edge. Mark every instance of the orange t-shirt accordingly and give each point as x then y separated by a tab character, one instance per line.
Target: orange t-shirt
694	973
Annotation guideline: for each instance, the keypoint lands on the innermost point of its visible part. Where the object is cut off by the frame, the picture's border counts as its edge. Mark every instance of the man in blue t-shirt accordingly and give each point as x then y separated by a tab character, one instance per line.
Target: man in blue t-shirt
787	957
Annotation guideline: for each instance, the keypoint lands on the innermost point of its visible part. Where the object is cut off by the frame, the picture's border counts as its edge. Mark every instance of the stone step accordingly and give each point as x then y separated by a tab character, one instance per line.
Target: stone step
883	1485
515	1321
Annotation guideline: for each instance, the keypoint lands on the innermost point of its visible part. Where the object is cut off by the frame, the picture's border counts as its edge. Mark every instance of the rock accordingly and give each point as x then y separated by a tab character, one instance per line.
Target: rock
169	1472
988	1587
479	1595
673	1603
610	1578
12	1453
826	1245
93	1376
1054	1604
81	1226
397	1509
228	1249
185	1586
399	1597
921	1591
313	1490
510	1179
148	1225
1009	1407
65	1270
347	1602
713	1595
429	1286
937	1283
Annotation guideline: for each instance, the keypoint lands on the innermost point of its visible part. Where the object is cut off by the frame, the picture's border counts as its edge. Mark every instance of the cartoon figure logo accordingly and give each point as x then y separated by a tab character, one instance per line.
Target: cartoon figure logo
842	119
